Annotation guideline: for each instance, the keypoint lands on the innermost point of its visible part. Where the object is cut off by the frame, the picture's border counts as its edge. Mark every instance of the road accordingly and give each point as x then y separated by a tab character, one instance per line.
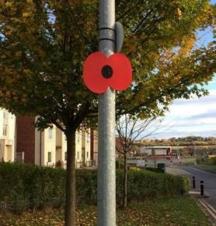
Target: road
208	178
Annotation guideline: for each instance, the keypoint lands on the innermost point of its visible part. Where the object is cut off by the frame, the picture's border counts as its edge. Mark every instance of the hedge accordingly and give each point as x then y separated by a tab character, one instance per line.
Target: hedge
26	186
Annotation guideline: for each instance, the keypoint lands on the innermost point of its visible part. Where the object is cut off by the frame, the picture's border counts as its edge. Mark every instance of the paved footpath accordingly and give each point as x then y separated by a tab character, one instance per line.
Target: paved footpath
209	183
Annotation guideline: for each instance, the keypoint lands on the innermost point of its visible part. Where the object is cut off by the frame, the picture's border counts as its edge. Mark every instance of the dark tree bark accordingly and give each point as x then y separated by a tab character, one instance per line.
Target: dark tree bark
70	207
125	182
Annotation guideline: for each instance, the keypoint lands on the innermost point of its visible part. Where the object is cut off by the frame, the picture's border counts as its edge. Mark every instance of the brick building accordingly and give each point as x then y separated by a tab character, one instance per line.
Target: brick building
48	147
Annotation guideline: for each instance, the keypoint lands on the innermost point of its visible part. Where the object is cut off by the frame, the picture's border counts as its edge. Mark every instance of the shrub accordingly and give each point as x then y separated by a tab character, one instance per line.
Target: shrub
207	161
146	184
156	170
26	186
33	186
212	161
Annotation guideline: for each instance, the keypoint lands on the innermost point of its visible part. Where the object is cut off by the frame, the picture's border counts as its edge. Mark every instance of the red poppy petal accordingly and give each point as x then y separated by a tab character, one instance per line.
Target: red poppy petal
120	79
92	73
122	76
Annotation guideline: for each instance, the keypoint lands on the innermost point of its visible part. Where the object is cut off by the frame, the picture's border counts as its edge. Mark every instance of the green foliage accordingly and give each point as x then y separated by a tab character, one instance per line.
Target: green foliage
212	161
144	184
86	186
43	45
156	170
25	186
207	161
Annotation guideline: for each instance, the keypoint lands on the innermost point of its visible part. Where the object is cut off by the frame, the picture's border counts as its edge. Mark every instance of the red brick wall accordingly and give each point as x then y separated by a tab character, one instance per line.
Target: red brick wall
26	137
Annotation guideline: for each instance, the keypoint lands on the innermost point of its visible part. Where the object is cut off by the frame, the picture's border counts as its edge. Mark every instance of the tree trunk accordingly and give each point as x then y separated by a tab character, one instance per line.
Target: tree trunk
125	181
70	188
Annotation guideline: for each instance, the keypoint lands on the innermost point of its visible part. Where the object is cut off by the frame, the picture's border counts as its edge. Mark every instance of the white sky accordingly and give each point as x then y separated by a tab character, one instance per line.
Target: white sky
193	117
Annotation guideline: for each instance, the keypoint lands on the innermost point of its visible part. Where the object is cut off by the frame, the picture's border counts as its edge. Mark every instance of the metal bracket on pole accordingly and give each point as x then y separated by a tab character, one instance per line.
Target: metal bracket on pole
119	36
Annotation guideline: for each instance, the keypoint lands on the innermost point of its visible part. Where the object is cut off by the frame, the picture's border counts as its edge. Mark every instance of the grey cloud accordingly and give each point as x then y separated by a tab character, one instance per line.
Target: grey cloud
202	100
210	114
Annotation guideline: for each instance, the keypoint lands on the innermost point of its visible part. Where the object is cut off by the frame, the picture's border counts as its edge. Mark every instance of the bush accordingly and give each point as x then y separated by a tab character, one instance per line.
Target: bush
207	161
145	184
32	186
156	170
212	161
26	186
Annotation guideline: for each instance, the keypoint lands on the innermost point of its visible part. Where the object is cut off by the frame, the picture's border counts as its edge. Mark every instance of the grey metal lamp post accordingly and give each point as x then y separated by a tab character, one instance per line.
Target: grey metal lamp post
106	127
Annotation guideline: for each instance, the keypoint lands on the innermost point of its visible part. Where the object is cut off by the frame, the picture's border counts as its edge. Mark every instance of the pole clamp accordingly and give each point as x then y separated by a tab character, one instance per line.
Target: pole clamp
115	35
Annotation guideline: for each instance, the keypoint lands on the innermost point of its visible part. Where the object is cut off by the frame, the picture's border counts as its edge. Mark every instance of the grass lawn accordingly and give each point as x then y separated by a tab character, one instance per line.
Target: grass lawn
181	211
208	167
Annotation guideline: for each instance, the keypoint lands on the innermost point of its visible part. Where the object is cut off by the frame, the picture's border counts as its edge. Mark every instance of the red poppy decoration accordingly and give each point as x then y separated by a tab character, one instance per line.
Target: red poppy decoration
101	72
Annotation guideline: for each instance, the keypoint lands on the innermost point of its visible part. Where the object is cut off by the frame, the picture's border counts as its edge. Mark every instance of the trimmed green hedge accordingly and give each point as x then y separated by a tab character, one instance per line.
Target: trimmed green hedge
26	186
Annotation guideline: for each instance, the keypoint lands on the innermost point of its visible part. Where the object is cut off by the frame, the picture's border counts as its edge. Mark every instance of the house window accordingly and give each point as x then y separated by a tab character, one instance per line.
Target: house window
49	156
5	130
50	133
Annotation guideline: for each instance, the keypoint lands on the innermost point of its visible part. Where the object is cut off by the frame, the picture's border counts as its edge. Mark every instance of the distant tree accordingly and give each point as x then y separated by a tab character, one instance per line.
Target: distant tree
129	130
43	44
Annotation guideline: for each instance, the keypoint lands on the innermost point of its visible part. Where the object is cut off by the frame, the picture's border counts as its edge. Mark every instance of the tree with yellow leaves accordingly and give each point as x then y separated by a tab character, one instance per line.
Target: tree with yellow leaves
43	44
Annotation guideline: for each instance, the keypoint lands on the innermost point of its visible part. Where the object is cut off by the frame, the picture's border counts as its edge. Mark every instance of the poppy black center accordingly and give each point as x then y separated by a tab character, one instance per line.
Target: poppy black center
107	71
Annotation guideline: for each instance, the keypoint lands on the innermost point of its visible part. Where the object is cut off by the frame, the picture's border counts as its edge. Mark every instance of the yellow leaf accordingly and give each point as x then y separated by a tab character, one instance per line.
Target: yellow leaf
26	14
